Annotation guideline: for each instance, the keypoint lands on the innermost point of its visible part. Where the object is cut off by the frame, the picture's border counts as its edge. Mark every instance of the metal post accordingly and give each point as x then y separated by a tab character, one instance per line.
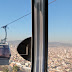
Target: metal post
5	27
39	36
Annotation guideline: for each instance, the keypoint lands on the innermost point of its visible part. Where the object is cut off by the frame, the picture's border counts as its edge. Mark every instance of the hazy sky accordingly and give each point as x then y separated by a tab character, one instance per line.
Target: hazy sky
60	21
11	10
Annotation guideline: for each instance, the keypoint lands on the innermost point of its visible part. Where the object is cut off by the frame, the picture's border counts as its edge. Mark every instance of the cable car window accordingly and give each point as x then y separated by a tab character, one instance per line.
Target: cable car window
60	37
1	46
6	46
15	35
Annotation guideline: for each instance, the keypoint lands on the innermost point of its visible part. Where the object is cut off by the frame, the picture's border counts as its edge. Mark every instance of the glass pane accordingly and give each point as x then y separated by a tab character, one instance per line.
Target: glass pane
60	37
16	14
1	46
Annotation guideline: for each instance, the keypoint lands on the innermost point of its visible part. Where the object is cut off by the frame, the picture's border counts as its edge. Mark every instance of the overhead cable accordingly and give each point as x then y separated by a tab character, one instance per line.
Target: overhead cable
51	2
16	20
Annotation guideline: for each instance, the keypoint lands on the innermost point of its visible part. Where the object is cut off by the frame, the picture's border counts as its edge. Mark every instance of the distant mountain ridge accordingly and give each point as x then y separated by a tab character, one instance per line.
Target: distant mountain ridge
50	44
55	44
14	43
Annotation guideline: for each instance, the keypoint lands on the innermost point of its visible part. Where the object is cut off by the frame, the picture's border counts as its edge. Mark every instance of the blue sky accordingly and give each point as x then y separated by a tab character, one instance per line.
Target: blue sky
11	10
60	21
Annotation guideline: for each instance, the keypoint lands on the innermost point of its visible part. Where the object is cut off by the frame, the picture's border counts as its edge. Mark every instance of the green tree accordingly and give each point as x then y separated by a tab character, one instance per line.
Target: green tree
15	68
6	70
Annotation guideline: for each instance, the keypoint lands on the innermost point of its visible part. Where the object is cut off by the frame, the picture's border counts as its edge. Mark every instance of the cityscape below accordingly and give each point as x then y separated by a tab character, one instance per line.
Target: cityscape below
59	57
16	62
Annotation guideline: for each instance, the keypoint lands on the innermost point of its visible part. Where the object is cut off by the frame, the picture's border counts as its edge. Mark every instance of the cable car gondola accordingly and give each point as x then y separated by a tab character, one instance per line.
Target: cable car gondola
5	53
5	50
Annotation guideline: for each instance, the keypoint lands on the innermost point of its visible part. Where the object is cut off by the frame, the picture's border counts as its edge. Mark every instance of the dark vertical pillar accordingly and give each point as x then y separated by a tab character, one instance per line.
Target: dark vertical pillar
39	35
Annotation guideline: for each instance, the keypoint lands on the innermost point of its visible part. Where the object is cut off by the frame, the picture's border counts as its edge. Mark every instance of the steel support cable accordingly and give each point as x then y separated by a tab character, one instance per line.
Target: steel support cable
5	26
51	2
16	20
